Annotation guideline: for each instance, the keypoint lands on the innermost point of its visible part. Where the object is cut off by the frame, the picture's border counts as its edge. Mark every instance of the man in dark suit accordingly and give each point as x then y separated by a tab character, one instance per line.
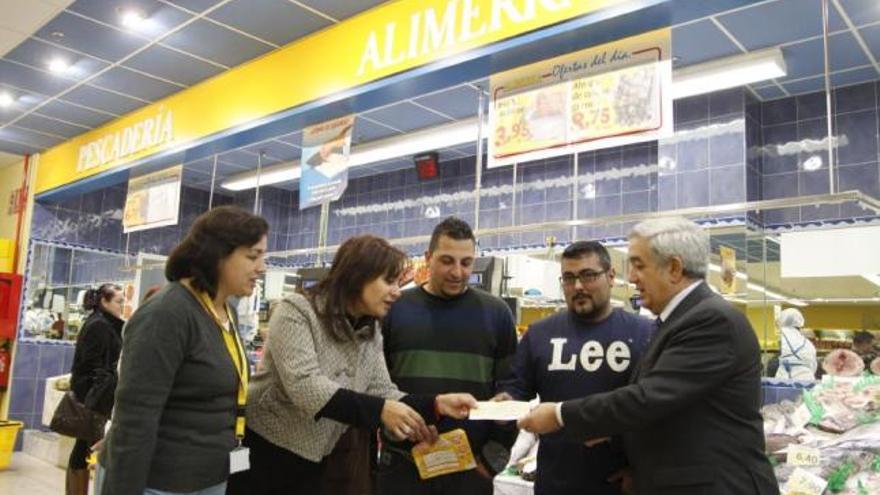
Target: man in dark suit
690	416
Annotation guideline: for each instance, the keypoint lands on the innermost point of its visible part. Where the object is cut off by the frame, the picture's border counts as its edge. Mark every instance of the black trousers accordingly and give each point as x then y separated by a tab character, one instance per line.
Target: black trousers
275	471
397	475
79	455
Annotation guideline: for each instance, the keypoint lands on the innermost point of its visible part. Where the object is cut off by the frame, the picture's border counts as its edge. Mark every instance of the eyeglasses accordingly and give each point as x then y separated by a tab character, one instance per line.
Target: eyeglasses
585	276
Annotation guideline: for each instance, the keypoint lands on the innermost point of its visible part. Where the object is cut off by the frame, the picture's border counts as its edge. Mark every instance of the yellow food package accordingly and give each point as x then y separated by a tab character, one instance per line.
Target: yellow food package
450	454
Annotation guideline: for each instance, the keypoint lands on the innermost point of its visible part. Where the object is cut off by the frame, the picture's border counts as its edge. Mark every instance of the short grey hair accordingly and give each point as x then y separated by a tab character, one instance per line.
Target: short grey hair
676	236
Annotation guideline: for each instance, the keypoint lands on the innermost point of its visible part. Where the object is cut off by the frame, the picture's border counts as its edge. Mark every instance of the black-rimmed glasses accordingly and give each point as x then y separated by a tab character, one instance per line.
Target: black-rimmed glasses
585	276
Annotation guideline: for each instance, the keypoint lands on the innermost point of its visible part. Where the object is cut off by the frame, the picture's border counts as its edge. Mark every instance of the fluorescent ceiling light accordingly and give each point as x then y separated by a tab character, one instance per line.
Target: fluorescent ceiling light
6	99
698	79
760	288
729	72
434	138
58	65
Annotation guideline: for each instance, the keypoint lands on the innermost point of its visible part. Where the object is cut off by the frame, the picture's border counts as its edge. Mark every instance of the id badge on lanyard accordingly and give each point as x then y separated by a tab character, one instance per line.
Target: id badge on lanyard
239	457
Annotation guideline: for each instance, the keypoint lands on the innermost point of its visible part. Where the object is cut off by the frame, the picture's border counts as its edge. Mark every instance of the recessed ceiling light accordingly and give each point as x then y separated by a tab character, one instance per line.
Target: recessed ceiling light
132	19
6	99
58	65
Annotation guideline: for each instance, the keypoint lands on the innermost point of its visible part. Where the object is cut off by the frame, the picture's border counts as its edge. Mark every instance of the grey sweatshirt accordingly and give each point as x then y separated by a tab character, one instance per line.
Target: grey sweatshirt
174	417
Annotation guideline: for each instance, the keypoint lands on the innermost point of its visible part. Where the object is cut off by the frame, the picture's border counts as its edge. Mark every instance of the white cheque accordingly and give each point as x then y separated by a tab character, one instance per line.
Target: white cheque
507	410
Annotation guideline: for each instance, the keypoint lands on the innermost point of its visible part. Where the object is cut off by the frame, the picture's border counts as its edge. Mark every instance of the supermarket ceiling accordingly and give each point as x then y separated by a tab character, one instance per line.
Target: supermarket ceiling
89	63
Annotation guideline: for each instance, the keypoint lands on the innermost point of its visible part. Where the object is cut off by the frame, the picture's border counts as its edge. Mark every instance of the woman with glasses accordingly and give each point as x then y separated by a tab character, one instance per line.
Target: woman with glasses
97	348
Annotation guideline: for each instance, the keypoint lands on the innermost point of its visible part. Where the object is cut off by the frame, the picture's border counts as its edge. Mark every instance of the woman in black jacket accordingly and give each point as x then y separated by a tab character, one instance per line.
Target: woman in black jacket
97	347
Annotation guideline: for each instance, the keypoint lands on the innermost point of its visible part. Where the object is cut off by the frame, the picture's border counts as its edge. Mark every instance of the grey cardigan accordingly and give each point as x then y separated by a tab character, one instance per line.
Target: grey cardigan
174	417
302	368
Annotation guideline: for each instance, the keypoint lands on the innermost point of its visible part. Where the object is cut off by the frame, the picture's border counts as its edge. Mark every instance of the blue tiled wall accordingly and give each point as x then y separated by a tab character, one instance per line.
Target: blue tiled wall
796	119
33	364
95	219
704	163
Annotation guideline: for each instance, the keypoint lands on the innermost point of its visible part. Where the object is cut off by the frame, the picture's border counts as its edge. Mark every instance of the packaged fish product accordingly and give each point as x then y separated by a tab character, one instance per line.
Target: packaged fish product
840	404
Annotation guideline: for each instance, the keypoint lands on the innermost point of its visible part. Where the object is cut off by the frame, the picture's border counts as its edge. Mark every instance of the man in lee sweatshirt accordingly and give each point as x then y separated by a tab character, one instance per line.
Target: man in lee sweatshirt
588	348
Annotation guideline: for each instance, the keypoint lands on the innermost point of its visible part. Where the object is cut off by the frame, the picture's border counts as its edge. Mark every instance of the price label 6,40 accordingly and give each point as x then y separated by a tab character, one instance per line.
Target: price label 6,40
798	455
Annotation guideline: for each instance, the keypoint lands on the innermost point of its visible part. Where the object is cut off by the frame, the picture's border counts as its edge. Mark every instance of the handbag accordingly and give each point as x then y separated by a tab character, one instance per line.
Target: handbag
73	419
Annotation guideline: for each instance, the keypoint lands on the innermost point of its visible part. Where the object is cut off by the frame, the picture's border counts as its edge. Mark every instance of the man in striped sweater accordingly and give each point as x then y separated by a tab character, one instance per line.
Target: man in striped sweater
441	337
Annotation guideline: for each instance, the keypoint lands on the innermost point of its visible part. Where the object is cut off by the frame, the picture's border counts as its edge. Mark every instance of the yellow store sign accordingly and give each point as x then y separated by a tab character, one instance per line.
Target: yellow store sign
386	40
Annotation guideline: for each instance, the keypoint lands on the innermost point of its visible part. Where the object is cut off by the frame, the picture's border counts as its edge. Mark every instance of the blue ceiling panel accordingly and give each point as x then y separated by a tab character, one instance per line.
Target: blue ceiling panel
50	126
32	79
158	17
778	22
406	116
278	21
804	85
197	6
21	100
699	42
138	85
172	65
17	148
38	54
295	138
202	165
275	150
192	175
27	137
73	113
769	92
861	12
102	100
805	59
205	166
389	166
9	114
90	37
240	158
365	131
341	9
216	43
459	102
467	149
853	76
871	35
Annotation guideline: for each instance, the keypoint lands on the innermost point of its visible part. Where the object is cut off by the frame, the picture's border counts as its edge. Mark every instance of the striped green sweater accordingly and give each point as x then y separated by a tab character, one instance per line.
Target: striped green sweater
435	345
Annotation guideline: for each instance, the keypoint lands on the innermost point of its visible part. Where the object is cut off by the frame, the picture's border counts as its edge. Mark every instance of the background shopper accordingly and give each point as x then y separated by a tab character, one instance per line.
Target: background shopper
97	349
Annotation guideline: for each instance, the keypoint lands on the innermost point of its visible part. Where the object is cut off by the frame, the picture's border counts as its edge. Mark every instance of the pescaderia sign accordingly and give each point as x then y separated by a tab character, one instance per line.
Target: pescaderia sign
389	39
150	132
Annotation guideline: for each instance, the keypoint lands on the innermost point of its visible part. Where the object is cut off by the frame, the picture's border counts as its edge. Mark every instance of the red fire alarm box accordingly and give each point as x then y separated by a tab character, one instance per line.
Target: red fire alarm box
10	297
426	165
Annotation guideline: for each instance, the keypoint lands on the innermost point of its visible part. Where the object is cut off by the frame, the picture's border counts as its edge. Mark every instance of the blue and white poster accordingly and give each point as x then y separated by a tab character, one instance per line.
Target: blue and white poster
324	162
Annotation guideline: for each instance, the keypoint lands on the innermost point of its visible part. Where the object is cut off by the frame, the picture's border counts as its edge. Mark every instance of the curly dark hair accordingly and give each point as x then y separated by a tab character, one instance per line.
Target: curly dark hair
213	236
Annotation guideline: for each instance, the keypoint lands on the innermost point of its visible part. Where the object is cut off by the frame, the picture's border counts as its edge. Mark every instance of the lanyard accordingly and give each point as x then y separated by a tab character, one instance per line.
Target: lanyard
236	352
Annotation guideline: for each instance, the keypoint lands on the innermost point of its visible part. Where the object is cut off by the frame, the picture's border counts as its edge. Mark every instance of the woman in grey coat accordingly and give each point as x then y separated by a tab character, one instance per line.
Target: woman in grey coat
323	370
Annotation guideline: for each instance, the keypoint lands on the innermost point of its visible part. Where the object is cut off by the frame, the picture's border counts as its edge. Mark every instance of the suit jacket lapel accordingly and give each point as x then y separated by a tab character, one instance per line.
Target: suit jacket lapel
665	329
